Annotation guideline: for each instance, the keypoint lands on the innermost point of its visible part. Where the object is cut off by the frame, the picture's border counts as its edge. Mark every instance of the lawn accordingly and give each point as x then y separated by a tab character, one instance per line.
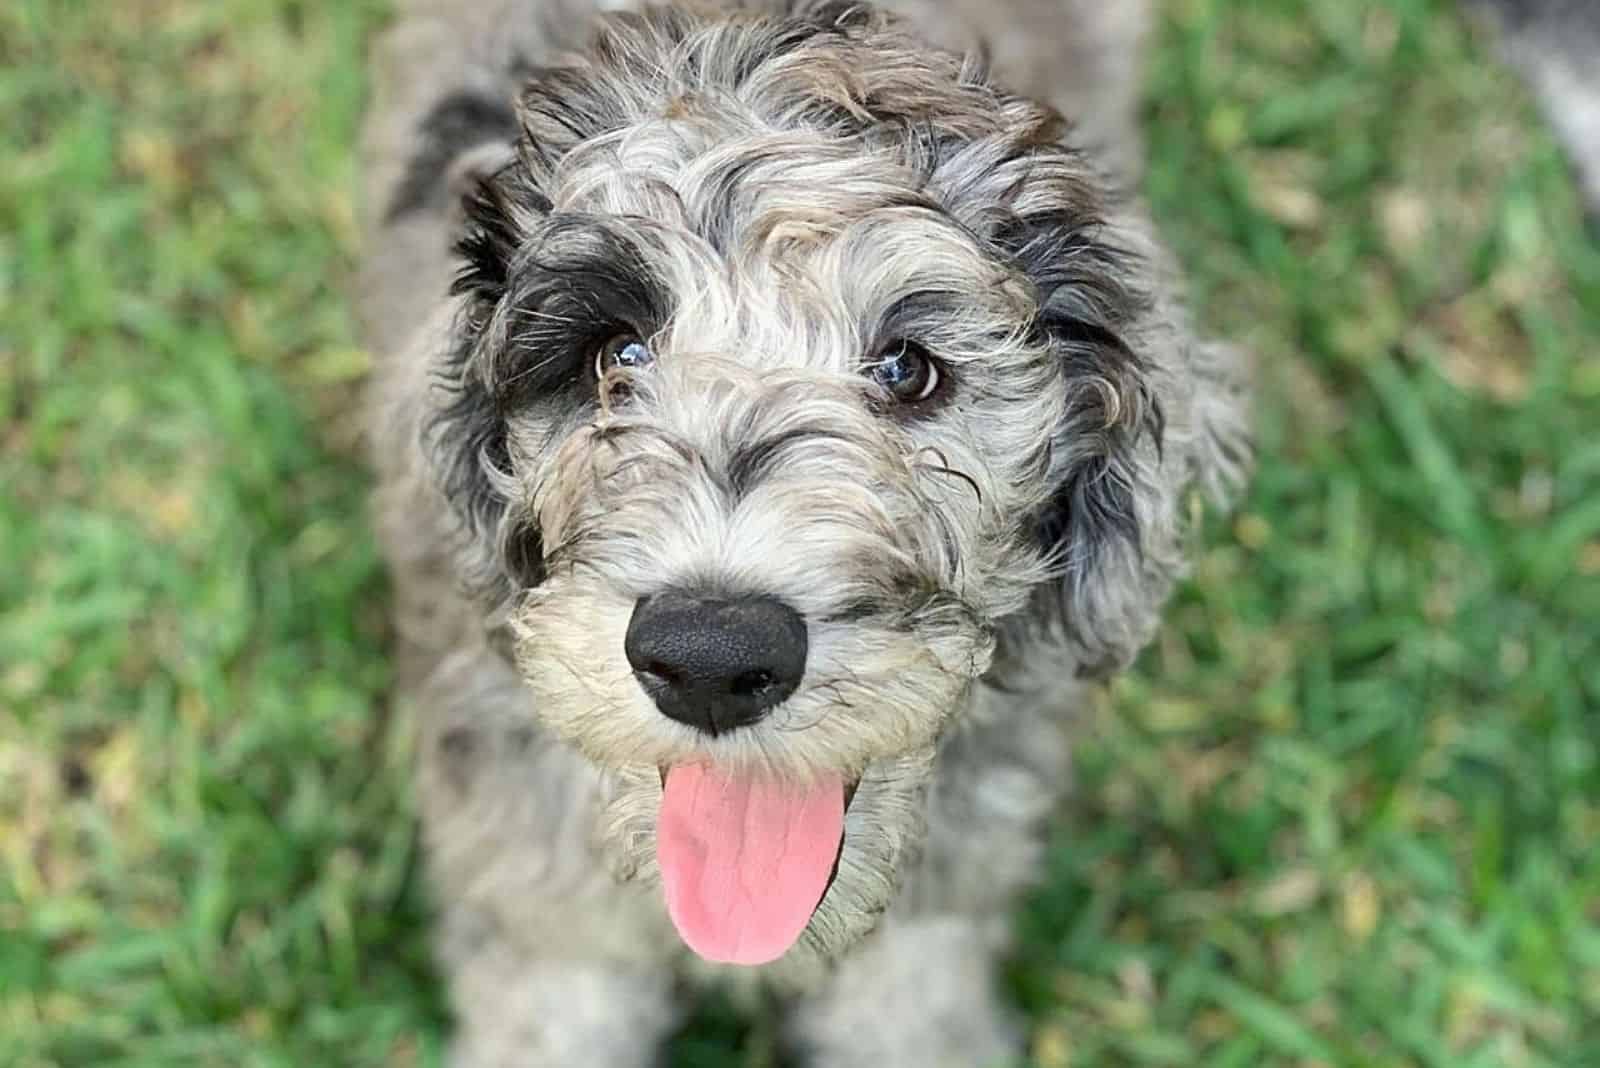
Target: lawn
1346	812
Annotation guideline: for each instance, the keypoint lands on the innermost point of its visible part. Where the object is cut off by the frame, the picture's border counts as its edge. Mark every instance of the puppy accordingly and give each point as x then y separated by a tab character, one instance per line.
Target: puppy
781	421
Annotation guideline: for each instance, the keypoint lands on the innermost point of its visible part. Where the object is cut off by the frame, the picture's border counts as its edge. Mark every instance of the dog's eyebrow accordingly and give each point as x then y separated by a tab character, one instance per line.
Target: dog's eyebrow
752	460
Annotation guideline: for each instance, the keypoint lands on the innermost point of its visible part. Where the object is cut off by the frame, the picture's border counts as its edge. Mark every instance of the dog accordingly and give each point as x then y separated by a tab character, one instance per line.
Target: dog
784	416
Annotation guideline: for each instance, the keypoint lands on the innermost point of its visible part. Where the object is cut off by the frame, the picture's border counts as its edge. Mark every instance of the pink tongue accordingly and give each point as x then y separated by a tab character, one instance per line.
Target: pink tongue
745	861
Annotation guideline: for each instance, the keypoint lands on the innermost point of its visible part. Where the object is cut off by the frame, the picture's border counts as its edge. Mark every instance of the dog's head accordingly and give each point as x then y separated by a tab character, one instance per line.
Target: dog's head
801	376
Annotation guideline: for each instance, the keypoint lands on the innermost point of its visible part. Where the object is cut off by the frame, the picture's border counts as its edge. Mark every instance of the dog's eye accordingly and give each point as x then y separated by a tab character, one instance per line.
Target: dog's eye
626	350
906	371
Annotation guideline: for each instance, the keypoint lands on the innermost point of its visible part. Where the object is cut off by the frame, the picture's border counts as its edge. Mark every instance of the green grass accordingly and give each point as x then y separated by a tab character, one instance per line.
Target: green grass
1345	813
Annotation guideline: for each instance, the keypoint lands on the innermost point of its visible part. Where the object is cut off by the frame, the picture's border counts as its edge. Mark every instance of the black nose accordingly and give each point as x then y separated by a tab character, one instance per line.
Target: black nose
716	663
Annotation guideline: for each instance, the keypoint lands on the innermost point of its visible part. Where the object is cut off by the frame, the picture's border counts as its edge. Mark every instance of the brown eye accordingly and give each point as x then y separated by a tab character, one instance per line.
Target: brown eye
906	371
626	350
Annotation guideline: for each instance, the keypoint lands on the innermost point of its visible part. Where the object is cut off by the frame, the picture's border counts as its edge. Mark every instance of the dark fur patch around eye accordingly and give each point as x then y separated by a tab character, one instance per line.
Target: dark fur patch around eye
582	279
456	124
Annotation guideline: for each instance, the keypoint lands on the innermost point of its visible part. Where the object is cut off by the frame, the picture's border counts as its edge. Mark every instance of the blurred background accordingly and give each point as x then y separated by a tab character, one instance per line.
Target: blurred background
1346	812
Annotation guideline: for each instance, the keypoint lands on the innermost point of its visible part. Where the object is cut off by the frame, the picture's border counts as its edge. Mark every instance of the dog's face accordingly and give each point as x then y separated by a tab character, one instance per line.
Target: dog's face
797	367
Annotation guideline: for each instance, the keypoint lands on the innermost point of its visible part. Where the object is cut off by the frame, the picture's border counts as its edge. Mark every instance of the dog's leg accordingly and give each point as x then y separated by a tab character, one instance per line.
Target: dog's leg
517	1012
550	961
920	992
917	994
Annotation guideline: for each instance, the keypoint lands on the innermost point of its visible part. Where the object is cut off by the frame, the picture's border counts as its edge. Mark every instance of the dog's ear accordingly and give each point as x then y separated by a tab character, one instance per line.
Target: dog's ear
1106	521
466	436
1149	413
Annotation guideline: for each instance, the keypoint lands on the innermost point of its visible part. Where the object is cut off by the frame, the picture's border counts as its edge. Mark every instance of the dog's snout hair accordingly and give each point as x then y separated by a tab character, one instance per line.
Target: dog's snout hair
770	304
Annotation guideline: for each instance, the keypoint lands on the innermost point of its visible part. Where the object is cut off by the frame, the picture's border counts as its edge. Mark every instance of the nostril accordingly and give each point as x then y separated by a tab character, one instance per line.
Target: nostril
753	683
664	671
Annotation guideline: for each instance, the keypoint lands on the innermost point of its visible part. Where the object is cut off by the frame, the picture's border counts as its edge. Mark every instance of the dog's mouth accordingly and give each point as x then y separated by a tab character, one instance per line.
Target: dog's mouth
746	861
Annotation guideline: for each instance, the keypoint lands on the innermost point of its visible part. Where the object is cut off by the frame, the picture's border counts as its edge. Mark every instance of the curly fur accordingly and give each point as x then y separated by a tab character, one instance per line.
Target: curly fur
769	195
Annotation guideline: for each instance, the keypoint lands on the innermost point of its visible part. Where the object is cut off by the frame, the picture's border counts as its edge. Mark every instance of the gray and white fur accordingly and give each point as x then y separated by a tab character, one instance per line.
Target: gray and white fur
772	197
